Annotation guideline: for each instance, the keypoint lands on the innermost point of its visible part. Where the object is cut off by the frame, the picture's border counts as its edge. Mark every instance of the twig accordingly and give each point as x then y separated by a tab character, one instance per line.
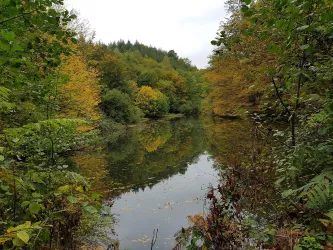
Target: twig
153	240
15	17
280	98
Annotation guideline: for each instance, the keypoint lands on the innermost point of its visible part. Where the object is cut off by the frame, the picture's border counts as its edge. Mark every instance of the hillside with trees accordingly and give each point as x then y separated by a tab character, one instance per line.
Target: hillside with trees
148	81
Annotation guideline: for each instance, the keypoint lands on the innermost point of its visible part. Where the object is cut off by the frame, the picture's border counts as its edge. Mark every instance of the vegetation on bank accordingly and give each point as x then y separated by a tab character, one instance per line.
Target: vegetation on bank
273	59
57	88
48	98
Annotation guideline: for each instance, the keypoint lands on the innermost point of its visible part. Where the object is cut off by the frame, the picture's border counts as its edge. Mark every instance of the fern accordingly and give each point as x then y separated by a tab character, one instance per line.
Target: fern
4	94
5	105
319	191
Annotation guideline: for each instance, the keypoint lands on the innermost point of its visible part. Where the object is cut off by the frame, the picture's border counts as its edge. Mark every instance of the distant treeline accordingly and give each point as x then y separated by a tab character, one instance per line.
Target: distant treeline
154	53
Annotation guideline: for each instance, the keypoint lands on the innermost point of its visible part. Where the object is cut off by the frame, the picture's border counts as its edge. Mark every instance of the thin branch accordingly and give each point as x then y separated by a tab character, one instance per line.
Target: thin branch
280	98
15	17
154	239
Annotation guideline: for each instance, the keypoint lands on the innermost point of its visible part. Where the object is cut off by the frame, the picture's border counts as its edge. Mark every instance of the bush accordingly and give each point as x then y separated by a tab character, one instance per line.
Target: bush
119	106
189	108
152	102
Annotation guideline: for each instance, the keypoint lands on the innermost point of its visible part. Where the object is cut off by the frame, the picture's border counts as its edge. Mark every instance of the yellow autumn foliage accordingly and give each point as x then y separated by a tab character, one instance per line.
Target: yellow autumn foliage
152	102
238	82
81	95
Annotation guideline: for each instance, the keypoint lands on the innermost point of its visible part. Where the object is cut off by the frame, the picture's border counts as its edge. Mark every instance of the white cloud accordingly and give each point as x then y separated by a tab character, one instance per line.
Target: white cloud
187	26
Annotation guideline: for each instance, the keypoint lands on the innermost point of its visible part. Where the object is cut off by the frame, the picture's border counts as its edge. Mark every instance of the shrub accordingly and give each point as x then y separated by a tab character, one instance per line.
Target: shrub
119	106
152	102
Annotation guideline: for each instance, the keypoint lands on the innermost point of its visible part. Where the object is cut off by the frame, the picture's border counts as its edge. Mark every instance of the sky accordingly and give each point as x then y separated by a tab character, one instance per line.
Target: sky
186	26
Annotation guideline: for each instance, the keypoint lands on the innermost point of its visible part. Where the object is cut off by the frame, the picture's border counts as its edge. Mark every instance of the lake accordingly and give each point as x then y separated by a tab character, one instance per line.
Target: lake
158	174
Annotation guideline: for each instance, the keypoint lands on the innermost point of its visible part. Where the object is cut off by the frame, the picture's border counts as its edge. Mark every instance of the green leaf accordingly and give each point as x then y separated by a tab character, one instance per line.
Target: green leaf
17	242
34	208
287	193
95	196
303	27
4	45
281	24
8	35
74	40
305	46
91	209
64	189
272	47
315	97
22	235
72	199
36	195
245	8
330	214
2	158
25	203
330	239
4	188
15	140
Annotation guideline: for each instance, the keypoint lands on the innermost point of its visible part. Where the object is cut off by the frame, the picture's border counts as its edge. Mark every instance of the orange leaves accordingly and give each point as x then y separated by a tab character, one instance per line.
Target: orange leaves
229	88
237	83
239	72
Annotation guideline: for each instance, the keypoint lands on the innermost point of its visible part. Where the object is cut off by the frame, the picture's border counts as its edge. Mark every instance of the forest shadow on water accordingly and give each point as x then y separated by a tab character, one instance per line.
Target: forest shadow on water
158	173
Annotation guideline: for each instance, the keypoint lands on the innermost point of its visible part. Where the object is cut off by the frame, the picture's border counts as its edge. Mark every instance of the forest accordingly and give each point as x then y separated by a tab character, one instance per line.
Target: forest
65	96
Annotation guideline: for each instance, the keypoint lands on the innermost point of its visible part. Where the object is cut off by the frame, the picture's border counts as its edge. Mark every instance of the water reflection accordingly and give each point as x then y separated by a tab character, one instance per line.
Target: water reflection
149	153
229	139
159	173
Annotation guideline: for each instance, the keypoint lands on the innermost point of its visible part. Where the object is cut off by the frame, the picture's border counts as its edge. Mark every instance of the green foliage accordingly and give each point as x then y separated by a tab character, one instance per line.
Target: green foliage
154	53
128	67
309	243
119	106
113	70
189	108
41	141
5	105
39	195
318	193
20	235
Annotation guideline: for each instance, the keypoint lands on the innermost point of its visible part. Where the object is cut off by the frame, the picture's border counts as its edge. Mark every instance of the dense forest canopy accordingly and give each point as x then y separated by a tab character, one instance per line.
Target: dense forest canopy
157	54
175	85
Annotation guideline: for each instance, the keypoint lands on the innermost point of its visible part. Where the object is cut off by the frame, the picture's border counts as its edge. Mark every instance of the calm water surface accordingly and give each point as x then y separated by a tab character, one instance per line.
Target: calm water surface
165	206
159	173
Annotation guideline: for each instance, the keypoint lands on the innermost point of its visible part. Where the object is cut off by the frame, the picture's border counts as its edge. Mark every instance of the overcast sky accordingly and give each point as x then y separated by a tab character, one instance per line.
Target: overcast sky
187	26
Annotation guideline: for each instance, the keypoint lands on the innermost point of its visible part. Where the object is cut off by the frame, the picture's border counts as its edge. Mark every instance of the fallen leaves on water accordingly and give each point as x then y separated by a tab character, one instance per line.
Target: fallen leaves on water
145	239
